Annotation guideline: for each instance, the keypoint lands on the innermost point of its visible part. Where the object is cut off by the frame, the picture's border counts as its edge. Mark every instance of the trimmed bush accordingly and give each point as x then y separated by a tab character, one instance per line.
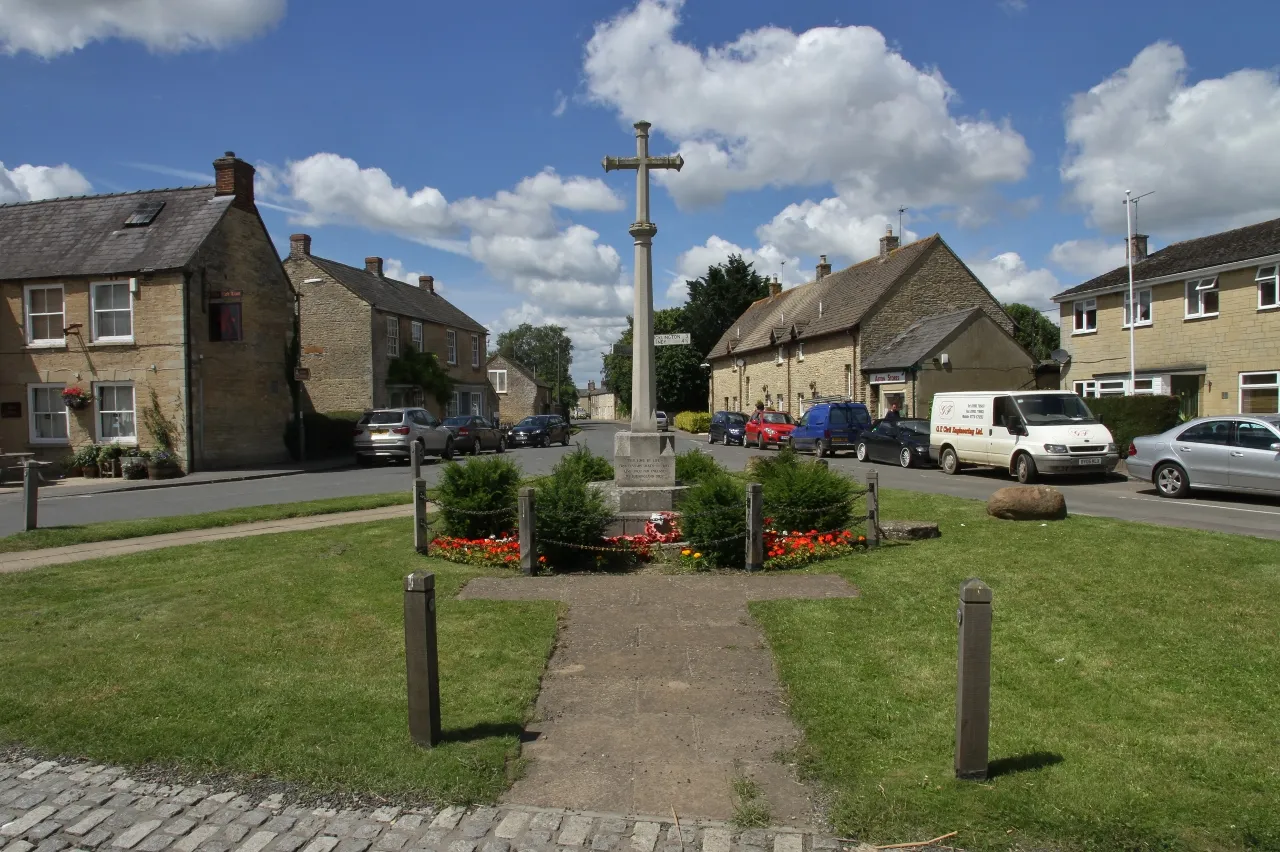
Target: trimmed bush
481	485
590	467
714	509
328	435
694	466
1130	416
698	422
804	495
570	511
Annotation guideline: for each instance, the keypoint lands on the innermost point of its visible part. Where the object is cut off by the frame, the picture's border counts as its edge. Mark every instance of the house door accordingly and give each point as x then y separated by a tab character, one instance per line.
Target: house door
1187	390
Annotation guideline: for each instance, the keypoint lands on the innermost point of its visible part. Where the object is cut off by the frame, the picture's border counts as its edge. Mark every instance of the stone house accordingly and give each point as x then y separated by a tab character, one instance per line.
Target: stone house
832	337
354	322
520	393
1207	324
597	403
171	295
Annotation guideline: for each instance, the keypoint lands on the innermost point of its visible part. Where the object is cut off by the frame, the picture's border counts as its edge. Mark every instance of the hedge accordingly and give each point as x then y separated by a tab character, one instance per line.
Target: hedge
1130	416
698	422
328	435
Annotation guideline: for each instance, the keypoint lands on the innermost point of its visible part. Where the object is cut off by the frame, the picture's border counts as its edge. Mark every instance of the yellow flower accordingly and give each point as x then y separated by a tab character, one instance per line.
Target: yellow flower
685	552
697	556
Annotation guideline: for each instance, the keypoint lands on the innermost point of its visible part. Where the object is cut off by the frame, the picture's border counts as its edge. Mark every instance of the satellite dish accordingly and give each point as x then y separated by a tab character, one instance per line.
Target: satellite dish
1062	356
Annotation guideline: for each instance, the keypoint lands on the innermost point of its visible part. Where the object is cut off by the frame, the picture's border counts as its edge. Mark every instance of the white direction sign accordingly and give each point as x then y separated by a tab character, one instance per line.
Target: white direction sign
670	339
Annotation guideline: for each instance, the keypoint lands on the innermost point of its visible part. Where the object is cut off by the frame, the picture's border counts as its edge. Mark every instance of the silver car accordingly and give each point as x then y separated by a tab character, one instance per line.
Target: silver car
1235	453
388	433
661	417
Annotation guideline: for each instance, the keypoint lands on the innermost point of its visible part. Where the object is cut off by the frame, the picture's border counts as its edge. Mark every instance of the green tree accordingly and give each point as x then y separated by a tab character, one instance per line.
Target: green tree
1034	330
542	349
681	380
421	370
717	299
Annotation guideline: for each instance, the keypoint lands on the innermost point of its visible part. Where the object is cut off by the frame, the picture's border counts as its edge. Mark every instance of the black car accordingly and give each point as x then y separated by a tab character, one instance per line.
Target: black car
540	430
471	434
727	427
904	441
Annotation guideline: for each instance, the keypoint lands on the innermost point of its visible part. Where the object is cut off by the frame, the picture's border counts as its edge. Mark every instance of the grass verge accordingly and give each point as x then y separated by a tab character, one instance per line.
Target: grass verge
115	530
276	655
1135	673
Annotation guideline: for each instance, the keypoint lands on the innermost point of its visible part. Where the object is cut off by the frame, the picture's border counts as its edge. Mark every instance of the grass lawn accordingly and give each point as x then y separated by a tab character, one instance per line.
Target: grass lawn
113	530
1136	679
275	655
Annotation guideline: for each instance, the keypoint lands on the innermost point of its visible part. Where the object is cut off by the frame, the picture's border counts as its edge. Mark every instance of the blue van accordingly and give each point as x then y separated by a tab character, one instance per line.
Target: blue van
829	427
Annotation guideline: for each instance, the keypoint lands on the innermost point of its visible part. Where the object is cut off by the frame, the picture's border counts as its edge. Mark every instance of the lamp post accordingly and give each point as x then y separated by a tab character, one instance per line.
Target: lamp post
1128	253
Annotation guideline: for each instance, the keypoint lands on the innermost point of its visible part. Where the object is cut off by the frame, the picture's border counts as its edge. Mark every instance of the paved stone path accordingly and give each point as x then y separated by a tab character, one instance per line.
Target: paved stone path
660	691
47	807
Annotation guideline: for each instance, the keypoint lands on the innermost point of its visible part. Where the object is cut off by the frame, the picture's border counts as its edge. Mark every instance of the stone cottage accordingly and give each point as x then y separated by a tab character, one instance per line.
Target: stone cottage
519	392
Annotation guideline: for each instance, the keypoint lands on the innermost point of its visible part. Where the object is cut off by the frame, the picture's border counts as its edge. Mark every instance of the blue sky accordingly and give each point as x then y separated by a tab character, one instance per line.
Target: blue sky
464	140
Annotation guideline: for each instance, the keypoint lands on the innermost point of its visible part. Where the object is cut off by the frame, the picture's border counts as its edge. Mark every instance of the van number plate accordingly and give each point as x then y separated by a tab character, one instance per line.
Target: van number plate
1088	461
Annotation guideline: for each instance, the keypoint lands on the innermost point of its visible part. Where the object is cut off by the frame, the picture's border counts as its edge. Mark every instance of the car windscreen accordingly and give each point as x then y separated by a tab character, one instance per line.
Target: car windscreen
1054	409
458	421
920	427
530	423
777	417
734	419
385	418
848	416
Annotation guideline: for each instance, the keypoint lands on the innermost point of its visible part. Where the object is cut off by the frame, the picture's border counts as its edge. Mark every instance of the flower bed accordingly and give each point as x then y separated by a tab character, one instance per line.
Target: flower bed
792	549
496	551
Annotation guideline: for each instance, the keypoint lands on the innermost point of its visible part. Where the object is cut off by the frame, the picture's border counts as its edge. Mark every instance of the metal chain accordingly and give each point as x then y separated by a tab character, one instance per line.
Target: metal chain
444	507
800	510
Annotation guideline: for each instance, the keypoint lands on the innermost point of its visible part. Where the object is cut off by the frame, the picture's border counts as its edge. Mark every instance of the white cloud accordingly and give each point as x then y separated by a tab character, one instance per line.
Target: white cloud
774	108
592	336
828	227
1088	258
33	183
694	262
1208	149
562	104
1009	279
393	268
48	28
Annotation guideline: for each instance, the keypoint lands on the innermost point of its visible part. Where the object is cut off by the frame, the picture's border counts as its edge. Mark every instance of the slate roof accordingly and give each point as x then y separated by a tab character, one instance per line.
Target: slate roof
845	298
1241	244
62	237
920	340
397	297
518	367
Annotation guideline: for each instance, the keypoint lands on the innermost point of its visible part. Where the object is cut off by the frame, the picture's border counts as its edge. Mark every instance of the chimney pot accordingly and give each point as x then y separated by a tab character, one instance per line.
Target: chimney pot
824	268
1139	247
775	287
299	245
427	282
888	242
233	176
373	265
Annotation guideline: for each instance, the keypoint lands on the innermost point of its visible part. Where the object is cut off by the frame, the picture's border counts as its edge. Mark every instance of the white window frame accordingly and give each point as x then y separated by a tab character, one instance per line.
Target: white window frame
415	334
1113	387
393	337
1080	313
1087	389
1272	276
498	378
1200	286
26	306
31	414
452	409
799	351
98	387
1143	303
451	346
475	350
94	310
1274	384
780	357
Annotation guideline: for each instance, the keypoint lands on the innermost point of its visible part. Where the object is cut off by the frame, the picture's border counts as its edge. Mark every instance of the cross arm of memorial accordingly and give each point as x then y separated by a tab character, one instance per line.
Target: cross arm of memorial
615	164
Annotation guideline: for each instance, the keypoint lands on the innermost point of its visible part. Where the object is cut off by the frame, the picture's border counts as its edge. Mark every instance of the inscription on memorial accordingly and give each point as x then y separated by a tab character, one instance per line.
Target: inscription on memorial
645	470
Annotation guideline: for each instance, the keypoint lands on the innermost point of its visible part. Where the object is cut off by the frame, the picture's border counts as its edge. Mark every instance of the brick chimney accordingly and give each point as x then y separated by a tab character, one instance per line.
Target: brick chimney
888	242
824	268
373	265
299	245
427	282
591	384
233	176
1139	247
775	287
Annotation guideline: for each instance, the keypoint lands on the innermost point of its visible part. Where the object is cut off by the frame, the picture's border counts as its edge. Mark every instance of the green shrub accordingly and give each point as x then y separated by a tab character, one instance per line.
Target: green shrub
694	466
328	435
1127	417
804	495
712	510
698	422
490	485
569	512
587	465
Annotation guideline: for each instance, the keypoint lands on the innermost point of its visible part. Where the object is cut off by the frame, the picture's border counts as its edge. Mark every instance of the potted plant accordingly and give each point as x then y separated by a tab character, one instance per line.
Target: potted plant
162	464
88	459
134	468
109	459
76	397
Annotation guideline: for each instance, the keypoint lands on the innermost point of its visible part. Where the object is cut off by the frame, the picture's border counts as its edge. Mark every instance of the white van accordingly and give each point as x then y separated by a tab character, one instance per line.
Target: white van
1026	432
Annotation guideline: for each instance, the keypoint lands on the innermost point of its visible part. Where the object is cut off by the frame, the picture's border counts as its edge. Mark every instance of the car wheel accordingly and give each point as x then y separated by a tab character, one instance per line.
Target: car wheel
711	439
949	462
447	452
1025	469
819	450
475	446
1171	481
904	457
565	441
760	441
862	451
502	444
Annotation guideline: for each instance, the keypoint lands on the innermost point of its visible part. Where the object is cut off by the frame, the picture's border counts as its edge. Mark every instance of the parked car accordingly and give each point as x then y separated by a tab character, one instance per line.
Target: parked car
539	430
904	441
662	421
830	426
768	427
1027	433
727	427
1236	453
388	433
471	434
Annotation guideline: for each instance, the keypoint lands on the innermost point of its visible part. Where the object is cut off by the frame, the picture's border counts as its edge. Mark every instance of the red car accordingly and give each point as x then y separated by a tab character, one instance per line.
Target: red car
768	427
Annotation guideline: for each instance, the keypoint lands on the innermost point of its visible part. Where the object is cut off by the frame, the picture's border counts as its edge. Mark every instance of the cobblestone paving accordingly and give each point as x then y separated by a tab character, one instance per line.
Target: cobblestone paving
48	807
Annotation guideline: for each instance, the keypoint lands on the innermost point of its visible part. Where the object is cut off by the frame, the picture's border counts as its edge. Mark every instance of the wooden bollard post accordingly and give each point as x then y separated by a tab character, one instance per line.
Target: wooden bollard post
973	680
422	665
421	534
755	527
873	508
527	519
415	463
30	492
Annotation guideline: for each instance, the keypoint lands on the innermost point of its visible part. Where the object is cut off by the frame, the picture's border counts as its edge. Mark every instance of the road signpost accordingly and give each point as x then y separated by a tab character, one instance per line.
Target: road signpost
683	339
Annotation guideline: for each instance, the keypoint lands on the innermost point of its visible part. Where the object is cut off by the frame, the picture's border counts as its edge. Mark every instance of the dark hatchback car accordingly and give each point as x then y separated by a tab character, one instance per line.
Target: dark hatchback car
727	427
905	442
540	430
471	434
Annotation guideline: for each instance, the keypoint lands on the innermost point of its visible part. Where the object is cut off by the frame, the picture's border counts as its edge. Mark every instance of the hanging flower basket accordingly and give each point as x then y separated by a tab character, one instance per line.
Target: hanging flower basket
76	398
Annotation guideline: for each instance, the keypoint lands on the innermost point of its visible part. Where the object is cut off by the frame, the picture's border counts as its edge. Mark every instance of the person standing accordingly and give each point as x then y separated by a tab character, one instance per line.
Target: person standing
893	416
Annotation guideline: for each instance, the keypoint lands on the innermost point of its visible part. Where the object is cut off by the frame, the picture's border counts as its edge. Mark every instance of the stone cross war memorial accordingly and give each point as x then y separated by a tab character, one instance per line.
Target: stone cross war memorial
644	458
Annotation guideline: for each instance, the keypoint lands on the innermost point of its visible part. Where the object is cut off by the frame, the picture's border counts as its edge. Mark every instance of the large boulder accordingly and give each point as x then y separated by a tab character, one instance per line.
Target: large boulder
1028	503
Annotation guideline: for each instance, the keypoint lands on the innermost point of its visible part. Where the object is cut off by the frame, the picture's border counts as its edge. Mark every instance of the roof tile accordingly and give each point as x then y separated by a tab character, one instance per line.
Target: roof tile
397	297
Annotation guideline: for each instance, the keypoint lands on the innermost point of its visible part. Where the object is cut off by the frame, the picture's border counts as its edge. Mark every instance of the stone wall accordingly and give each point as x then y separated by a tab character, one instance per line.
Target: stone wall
981	358
523	397
336	341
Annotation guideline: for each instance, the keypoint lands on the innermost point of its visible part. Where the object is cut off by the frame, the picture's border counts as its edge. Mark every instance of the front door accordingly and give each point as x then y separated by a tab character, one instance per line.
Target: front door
1254	465
1187	390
